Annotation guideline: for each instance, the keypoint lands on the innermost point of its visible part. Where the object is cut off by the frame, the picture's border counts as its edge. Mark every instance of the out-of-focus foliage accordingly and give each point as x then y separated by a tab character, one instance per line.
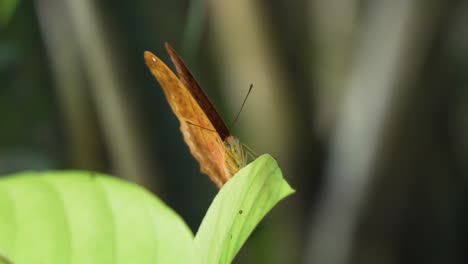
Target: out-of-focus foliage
85	217
7	8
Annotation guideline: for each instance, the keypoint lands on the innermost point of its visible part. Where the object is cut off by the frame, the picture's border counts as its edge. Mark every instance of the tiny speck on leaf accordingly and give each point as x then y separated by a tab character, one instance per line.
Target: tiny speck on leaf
240	211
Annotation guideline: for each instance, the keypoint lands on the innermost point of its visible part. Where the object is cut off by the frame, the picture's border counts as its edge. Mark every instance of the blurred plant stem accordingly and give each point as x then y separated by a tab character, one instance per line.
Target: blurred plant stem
109	89
333	25
194	28
245	51
71	86
389	56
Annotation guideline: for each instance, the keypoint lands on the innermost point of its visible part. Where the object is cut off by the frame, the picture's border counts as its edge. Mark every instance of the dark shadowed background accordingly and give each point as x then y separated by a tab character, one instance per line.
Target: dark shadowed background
363	103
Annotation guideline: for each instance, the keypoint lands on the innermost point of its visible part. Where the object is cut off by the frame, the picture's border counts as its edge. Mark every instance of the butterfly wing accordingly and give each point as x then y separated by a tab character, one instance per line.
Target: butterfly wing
205	145
194	88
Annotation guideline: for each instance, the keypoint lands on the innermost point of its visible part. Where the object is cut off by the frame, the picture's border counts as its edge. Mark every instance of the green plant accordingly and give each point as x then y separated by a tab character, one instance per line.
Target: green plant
81	217
7	8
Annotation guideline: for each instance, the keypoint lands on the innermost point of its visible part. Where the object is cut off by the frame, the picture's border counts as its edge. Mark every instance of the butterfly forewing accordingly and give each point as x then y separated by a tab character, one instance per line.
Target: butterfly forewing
205	145
194	88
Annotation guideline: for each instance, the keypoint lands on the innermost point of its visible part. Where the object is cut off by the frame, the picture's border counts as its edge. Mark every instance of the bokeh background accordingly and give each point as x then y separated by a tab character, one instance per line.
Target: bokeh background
363	103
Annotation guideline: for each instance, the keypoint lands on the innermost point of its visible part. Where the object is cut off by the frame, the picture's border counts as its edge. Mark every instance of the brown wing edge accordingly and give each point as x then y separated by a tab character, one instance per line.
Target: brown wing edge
197	92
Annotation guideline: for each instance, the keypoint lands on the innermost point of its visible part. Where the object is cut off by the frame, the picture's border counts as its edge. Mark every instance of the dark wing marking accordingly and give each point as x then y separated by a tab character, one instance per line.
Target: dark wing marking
194	88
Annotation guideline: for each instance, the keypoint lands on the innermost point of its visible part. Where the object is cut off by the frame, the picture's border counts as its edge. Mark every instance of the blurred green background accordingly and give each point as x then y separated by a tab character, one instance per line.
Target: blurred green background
363	103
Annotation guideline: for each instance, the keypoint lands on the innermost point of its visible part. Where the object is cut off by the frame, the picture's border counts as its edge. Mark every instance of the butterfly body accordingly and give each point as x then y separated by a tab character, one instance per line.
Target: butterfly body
219	154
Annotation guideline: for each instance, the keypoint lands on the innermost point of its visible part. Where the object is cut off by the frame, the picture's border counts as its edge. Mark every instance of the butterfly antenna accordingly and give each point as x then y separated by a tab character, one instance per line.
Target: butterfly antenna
192	124
242	106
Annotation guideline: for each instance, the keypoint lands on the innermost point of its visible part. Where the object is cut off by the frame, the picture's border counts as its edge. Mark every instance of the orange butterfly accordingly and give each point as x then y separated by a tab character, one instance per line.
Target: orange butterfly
219	154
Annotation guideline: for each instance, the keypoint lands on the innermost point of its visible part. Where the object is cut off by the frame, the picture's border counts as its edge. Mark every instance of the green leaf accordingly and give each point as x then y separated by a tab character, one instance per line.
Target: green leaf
238	208
82	217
